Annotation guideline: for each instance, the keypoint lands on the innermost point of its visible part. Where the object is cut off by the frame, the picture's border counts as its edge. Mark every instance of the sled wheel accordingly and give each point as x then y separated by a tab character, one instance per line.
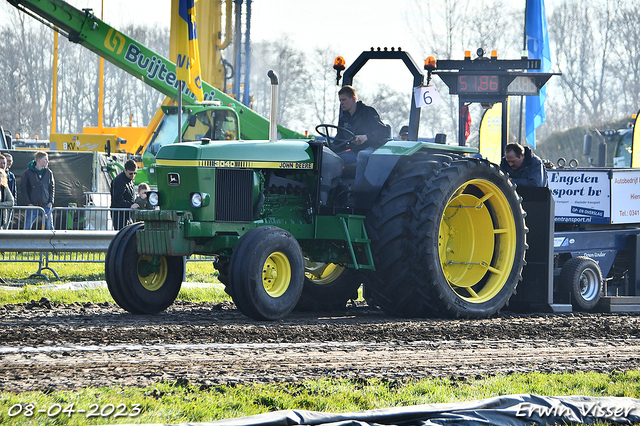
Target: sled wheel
266	273
147	284
328	286
582	277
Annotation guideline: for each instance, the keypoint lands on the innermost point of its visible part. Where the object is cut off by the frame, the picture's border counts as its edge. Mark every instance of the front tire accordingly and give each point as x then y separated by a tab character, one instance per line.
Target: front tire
141	284
581	276
266	273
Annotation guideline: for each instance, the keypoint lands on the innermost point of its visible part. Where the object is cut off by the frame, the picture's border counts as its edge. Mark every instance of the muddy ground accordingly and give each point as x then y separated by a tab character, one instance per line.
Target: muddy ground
54	347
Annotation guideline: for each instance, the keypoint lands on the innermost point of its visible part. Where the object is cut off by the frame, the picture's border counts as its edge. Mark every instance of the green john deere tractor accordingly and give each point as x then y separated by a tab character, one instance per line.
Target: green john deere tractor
436	232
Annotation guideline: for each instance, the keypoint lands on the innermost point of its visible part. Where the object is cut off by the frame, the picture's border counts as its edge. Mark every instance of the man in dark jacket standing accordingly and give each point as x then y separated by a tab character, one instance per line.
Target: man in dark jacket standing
523	166
123	195
37	188
364	122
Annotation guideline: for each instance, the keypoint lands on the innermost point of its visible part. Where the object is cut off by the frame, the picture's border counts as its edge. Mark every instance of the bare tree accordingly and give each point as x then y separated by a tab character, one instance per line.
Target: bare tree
447	29
582	35
392	106
290	64
322	90
627	55
125	95
25	72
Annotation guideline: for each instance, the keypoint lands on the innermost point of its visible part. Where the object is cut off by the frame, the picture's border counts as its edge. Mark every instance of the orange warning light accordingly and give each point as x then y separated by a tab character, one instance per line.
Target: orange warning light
430	63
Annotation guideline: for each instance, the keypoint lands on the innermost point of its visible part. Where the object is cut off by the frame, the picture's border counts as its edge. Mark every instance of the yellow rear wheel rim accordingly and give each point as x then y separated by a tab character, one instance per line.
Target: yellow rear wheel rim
322	273
155	280
477	241
276	274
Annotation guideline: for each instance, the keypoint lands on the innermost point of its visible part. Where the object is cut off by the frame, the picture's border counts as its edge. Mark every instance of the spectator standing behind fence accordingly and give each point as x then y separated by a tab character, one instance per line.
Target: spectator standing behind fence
37	188
6	200
123	195
6	161
141	199
11	178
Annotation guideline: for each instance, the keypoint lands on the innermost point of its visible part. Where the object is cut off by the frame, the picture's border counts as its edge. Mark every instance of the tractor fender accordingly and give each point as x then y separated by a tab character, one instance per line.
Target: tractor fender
376	174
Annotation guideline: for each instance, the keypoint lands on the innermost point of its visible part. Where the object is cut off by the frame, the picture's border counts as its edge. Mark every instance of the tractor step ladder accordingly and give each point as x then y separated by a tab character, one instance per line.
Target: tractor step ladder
361	242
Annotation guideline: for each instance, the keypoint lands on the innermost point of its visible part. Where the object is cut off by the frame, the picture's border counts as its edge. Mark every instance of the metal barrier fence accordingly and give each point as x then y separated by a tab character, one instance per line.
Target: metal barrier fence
89	218
50	246
79	235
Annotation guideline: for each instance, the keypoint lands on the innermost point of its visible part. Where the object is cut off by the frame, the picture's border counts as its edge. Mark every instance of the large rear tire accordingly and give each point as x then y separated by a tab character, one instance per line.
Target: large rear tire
328	287
141	284
266	273
461	240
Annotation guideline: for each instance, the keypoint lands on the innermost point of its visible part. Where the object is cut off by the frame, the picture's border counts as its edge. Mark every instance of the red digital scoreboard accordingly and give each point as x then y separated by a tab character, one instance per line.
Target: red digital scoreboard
479	84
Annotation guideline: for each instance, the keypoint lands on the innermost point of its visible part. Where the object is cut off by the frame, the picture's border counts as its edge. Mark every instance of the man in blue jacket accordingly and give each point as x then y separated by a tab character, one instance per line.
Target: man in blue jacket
523	167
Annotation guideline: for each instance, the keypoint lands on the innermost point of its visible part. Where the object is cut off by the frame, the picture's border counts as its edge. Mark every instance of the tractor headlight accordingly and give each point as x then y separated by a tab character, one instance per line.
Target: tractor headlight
153	198
199	199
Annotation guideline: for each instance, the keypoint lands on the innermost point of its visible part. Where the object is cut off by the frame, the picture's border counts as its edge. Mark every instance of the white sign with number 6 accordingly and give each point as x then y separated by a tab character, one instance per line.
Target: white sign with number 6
426	96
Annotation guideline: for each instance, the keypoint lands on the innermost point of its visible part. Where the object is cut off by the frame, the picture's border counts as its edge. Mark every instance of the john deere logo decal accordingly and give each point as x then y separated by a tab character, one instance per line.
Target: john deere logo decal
174	179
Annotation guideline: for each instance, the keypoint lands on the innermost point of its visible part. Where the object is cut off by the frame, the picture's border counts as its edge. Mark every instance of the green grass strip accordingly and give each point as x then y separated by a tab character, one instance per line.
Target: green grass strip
19	272
183	402
214	294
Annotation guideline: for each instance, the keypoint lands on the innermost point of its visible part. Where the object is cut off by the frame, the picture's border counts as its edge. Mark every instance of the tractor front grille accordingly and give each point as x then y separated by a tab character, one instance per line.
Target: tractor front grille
234	195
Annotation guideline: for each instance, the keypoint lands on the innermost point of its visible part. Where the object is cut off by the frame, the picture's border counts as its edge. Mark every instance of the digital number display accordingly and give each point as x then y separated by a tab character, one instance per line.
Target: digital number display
522	85
478	84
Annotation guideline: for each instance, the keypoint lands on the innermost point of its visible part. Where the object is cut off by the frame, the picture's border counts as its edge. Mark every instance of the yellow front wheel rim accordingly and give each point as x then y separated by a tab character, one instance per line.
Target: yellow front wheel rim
155	280
276	274
477	241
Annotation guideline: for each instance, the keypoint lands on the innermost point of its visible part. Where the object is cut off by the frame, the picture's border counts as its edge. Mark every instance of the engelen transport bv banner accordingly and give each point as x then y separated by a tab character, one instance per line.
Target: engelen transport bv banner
596	196
581	195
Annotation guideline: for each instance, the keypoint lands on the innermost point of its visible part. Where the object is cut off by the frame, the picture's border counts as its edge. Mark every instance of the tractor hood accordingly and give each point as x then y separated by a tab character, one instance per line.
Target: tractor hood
242	152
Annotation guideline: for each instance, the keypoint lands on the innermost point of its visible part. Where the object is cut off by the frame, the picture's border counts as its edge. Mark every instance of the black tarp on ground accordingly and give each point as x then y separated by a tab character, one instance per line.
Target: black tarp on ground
502	410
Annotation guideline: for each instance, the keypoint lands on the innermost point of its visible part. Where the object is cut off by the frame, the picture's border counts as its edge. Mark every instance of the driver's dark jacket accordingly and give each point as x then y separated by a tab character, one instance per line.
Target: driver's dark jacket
365	121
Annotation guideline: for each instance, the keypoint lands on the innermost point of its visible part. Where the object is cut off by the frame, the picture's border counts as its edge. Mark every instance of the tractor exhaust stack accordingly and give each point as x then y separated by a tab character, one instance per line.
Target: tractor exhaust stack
273	117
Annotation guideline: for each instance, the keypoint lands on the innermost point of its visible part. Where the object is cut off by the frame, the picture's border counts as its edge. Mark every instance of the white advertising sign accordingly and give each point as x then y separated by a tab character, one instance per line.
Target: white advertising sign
625	196
581	195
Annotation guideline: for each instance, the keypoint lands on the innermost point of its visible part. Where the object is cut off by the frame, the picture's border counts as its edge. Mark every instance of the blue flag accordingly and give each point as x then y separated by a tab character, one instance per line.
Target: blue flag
537	35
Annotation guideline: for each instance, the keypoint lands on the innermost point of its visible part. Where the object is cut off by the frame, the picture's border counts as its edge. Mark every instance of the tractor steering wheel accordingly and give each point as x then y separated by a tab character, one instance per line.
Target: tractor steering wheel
334	143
